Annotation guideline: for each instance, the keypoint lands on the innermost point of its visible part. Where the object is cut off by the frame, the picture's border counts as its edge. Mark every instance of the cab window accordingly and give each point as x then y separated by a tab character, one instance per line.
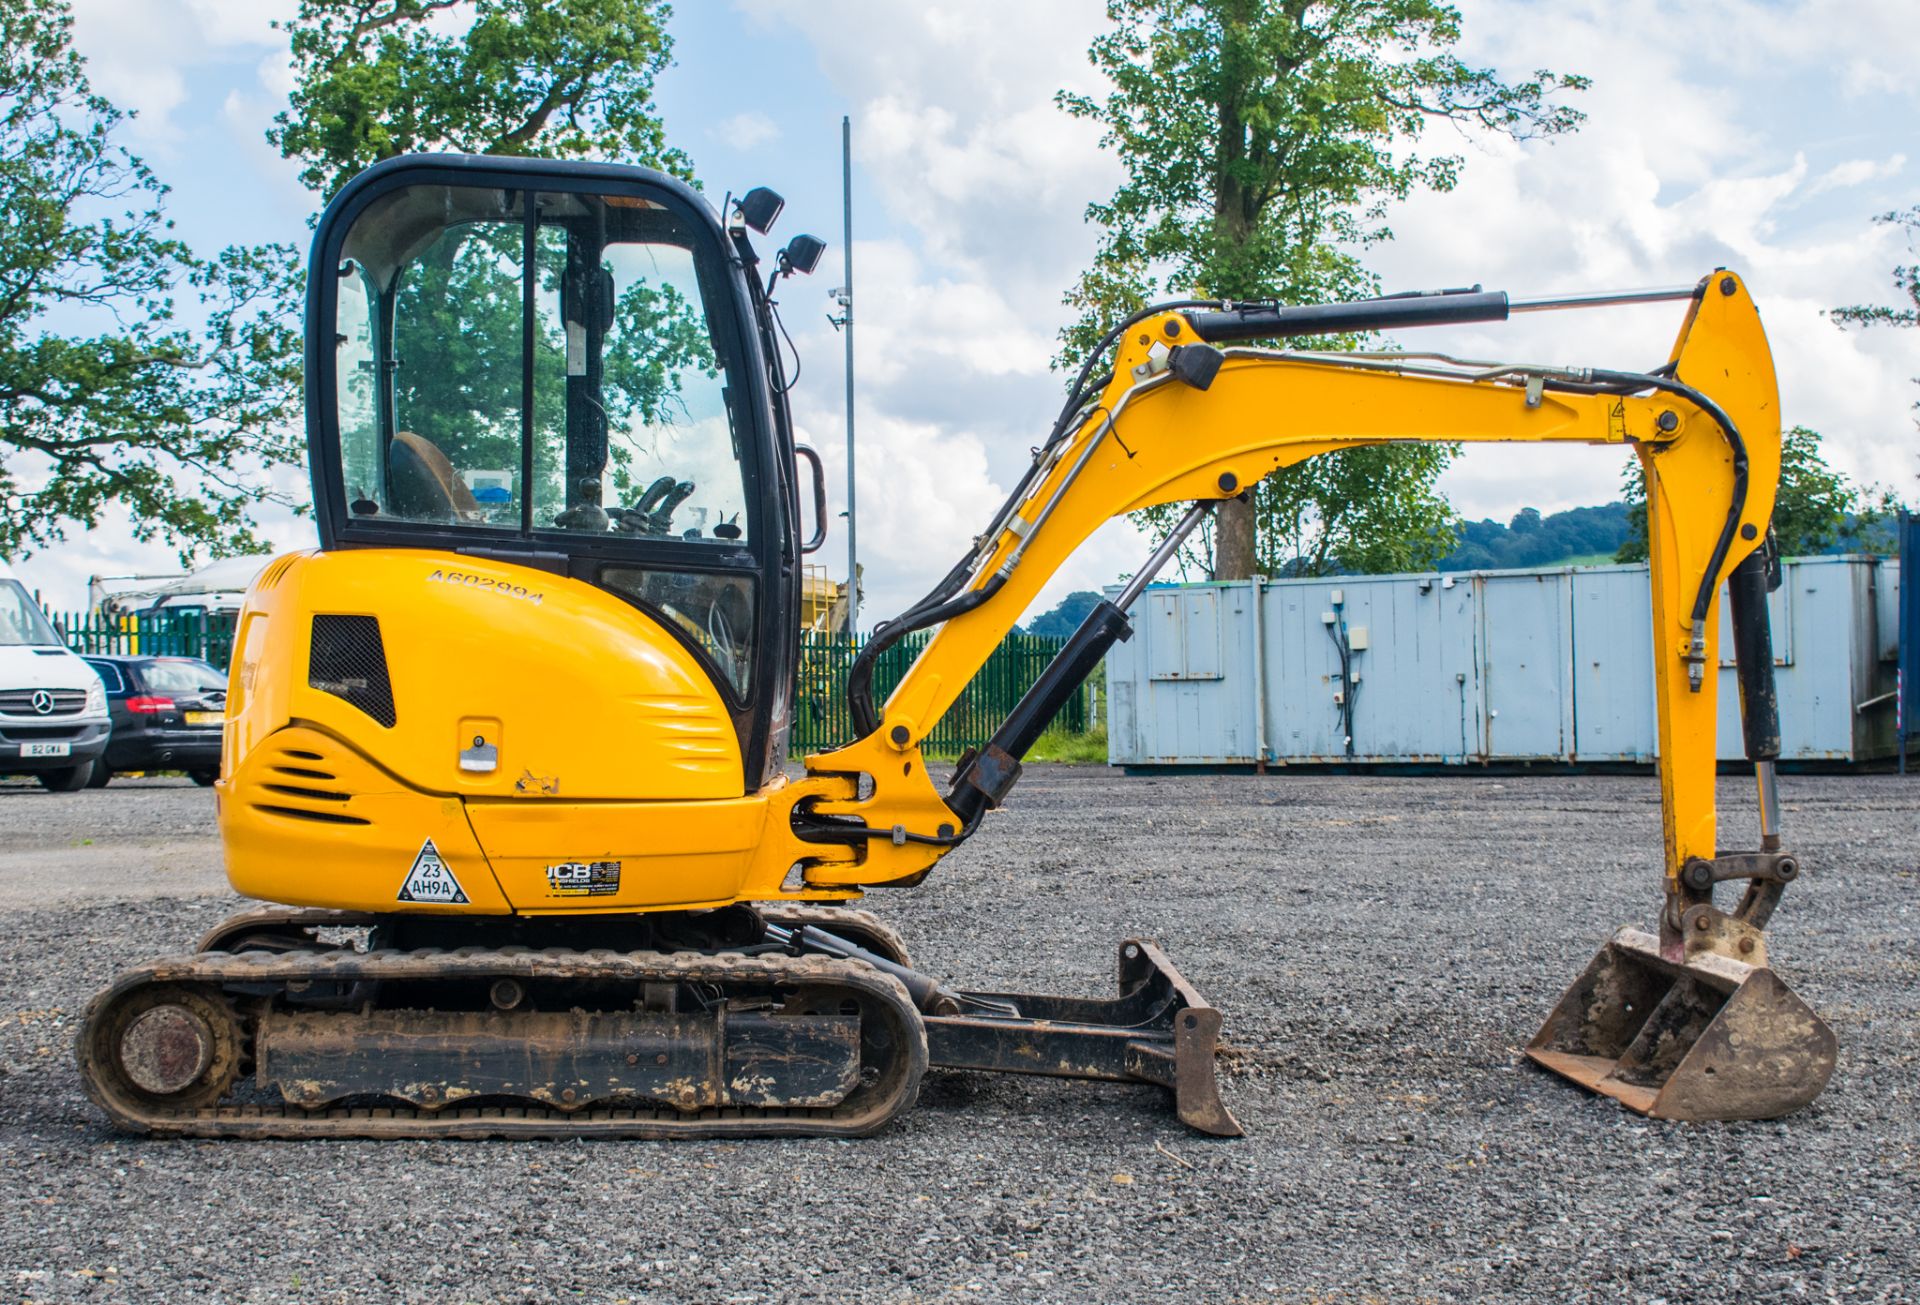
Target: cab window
642	444
429	371
625	429
714	612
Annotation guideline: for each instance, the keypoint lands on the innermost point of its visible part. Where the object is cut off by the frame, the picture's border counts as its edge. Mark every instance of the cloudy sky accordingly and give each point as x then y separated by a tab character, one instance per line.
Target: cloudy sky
1760	136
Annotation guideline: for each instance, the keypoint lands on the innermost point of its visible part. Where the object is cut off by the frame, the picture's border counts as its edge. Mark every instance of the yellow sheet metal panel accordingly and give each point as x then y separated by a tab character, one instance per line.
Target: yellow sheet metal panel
308	821
620	856
505	681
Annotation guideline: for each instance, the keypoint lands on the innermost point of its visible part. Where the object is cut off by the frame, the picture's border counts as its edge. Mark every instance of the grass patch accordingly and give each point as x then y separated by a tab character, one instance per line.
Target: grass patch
1089	749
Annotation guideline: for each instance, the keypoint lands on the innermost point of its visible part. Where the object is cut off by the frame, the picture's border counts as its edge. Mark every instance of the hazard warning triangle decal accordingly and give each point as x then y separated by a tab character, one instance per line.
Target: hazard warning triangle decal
431	880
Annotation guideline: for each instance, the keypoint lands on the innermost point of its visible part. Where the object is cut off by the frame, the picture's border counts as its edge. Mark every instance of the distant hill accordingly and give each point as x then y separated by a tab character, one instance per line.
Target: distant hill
1585	535
1590	536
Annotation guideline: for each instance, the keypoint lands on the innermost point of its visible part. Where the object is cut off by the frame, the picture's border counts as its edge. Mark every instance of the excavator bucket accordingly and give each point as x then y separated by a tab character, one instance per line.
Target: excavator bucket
1707	1037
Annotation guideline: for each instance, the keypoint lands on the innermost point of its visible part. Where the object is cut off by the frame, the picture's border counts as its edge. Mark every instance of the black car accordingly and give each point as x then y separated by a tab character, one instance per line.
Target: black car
166	712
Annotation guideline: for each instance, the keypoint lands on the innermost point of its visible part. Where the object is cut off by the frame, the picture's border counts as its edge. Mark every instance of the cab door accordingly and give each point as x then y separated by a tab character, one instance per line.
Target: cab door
563	366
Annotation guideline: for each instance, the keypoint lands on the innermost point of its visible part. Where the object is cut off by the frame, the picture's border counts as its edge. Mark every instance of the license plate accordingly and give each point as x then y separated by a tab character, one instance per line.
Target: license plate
205	717
46	749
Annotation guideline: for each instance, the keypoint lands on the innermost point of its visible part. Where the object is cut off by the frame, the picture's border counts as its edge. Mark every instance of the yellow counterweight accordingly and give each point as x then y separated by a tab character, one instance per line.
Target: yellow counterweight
549	747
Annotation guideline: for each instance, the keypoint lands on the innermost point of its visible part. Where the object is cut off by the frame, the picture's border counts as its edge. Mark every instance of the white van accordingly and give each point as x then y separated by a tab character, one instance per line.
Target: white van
53	708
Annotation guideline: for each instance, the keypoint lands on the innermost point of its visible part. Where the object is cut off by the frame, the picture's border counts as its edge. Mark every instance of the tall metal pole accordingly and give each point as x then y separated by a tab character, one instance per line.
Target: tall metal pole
846	200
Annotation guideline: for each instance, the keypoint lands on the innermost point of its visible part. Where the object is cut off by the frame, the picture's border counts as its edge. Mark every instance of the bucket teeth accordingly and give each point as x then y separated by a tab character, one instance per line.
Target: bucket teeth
1708	1037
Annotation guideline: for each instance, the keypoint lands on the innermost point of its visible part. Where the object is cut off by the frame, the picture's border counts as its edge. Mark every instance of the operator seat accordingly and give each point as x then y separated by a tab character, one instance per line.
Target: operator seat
423	484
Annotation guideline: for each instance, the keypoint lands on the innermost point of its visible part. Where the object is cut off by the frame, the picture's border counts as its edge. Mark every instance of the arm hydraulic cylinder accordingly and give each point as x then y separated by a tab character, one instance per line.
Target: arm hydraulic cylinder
1753	666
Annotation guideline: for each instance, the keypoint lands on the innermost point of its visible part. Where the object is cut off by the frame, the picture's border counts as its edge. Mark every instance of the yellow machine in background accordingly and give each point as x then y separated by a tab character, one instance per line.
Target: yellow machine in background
824	603
522	719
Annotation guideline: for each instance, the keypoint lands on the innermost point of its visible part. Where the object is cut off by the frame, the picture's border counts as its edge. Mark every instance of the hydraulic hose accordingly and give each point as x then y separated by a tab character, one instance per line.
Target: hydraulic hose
941	604
1709	580
860	675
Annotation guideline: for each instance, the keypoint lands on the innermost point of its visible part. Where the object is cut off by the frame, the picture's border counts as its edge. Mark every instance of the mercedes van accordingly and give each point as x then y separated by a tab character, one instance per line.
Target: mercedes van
53	708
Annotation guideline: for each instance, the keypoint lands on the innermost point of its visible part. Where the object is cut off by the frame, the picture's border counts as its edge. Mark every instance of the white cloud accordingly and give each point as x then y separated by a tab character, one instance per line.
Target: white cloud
1680	168
955	128
143	54
1856	172
1693	156
238	22
61	573
745	131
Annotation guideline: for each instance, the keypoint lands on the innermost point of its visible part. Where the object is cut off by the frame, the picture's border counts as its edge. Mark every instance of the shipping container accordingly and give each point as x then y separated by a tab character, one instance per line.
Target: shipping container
1551	666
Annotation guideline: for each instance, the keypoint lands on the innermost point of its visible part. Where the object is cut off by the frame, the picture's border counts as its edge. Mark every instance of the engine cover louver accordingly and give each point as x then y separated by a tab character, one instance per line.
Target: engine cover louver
348	660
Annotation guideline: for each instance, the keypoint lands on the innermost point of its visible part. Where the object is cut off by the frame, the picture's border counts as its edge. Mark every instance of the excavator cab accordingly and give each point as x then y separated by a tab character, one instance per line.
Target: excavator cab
571	371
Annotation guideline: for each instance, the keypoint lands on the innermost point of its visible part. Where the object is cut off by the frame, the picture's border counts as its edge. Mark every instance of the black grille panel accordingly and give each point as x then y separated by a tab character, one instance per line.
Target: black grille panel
318	817
348	660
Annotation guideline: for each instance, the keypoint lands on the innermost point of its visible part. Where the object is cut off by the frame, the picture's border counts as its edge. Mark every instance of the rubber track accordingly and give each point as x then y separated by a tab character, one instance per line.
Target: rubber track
532	1120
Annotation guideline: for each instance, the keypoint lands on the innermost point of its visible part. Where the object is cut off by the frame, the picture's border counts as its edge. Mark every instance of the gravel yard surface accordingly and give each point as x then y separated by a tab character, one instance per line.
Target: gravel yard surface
1381	948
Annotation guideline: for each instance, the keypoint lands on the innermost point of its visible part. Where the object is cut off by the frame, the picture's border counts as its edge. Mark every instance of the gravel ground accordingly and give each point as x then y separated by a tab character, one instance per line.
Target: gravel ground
1381	947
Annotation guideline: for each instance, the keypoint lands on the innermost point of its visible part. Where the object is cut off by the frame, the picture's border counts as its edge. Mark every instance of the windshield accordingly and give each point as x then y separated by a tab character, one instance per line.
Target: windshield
561	375
20	620
183	677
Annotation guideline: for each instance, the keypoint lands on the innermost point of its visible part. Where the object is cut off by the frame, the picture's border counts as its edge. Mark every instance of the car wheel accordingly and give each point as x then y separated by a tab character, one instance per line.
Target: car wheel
204	778
70	780
101	774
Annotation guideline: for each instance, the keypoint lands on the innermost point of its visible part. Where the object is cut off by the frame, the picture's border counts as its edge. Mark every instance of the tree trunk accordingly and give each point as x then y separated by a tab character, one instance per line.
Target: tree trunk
1233	534
1234	556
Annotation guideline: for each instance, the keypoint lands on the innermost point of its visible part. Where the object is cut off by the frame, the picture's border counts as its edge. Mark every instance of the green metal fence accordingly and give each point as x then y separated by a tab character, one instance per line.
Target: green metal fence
820	718
820	713
190	632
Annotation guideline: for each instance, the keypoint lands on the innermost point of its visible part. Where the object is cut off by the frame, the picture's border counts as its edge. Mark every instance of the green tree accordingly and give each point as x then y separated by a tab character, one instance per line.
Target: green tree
546	78
131	371
1814	508
1362	511
1906	279
1064	617
1262	142
536	78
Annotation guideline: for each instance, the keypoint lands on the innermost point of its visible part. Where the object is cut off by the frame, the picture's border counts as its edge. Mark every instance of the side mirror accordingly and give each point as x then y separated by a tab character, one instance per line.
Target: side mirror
802	254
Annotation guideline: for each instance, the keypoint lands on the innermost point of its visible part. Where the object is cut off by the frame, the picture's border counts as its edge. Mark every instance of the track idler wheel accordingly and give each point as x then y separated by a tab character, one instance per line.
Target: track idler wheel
174	1046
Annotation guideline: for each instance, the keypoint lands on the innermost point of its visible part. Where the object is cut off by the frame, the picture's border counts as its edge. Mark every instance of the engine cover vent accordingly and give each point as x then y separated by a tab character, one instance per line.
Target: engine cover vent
348	660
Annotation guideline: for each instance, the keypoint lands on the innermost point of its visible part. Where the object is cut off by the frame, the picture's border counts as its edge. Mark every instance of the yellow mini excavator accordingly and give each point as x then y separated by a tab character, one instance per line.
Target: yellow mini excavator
511	744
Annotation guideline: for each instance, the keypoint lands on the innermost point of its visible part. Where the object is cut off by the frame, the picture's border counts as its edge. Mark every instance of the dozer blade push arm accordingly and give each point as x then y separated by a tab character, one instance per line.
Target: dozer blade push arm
1182	420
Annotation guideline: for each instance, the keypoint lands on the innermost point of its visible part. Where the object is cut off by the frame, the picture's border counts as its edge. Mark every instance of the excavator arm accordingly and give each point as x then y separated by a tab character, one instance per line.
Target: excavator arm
1686	1024
1182	420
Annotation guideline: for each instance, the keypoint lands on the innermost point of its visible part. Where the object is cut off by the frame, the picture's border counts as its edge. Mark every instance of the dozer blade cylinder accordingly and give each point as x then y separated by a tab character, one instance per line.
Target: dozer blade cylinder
1704	1038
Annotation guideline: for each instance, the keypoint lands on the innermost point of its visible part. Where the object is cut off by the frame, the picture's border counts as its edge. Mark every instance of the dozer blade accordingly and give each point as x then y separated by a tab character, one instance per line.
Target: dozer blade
1709	1037
1158	1030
